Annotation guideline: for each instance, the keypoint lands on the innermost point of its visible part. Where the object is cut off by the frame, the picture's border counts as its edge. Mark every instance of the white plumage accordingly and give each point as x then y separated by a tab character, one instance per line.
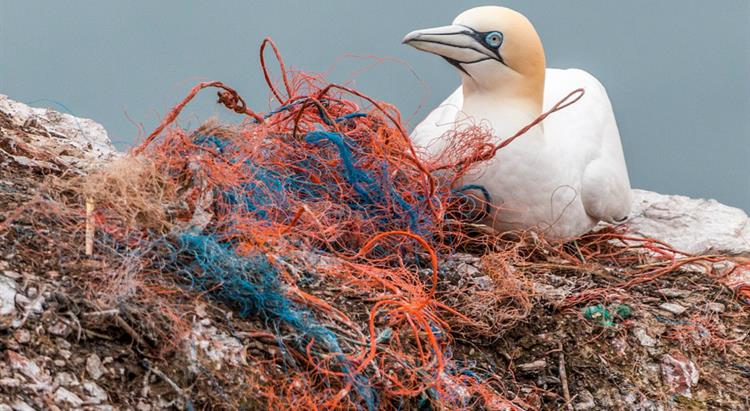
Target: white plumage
563	176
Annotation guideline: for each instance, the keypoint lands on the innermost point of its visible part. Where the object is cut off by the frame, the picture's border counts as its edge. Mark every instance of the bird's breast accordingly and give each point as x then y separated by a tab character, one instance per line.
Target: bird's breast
532	181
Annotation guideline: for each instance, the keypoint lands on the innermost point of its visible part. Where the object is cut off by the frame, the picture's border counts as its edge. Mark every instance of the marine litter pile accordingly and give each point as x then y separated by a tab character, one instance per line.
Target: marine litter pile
331	267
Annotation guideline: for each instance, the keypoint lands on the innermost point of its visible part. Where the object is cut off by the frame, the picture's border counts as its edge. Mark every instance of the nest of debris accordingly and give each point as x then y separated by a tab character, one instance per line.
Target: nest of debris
310	258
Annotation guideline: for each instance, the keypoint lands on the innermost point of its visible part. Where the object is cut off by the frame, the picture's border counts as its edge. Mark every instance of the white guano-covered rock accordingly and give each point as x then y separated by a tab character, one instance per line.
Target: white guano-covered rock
58	138
695	226
7	296
67	398
207	345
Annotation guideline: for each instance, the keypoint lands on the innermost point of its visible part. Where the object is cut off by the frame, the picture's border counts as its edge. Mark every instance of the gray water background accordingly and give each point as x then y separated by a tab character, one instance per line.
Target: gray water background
677	71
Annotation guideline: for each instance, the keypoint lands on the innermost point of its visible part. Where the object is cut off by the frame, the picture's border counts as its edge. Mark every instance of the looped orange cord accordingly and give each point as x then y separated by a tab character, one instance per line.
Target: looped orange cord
488	151
228	97
266	42
362	200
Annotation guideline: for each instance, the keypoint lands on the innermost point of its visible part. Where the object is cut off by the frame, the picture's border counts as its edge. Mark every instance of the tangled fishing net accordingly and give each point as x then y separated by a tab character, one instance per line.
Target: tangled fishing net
237	212
321	223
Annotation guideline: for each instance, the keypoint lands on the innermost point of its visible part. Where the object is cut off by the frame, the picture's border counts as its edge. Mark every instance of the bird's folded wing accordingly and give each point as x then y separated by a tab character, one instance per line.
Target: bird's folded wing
605	192
587	133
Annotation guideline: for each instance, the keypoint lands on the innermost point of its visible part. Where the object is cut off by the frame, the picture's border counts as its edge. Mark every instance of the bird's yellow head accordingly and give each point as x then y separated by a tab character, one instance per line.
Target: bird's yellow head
494	48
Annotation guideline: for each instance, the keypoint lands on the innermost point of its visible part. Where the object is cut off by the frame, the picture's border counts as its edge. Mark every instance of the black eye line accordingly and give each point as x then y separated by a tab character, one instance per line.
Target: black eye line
457	64
480	38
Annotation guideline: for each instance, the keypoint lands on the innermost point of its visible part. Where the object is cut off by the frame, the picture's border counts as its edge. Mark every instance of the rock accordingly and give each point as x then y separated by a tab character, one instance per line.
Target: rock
738	275
200	310
7	297
586	401
605	398
457	391
94	367
21	406
534	366
142	406
12	344
26	367
679	373
23	336
674	292
620	346
73	140
96	394
643	337
696	226
66	379
59	328
467	270
209	346
673	308
715	307
63	396
484	282
26	303
652	372
63	344
10	382
15	275
31	292
550	293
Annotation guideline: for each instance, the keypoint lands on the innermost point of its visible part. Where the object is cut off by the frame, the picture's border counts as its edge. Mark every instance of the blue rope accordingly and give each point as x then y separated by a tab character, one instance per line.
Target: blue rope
251	284
487	206
353	175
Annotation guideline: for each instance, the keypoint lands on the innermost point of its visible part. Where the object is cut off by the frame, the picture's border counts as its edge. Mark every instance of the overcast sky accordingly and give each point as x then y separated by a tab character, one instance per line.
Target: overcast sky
677	71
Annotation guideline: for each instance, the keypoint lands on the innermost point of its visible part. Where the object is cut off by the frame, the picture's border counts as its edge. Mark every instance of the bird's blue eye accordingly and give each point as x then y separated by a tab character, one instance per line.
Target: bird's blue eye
494	39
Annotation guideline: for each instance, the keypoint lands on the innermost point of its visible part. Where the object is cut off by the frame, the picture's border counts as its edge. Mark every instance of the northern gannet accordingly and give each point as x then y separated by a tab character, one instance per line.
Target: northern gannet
564	175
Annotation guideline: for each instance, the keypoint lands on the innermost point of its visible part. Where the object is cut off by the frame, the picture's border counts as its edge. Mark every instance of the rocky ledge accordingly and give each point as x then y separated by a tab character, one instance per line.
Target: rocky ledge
696	226
48	140
54	356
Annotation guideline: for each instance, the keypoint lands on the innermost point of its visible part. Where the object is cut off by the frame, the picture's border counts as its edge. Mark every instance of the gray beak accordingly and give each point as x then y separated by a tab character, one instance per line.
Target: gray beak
457	44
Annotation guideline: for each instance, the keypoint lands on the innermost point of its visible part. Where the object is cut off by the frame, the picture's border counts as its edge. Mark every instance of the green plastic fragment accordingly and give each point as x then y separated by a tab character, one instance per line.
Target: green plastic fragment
600	313
607	316
623	311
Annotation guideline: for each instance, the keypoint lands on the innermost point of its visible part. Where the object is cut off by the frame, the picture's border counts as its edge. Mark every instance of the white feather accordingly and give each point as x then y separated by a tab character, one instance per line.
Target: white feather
561	178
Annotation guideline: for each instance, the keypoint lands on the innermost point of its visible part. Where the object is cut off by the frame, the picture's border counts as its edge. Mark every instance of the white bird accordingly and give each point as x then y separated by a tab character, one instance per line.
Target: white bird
564	175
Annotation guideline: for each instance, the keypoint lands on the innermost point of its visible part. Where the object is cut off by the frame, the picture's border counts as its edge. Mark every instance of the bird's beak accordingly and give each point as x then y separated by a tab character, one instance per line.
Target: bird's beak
457	44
